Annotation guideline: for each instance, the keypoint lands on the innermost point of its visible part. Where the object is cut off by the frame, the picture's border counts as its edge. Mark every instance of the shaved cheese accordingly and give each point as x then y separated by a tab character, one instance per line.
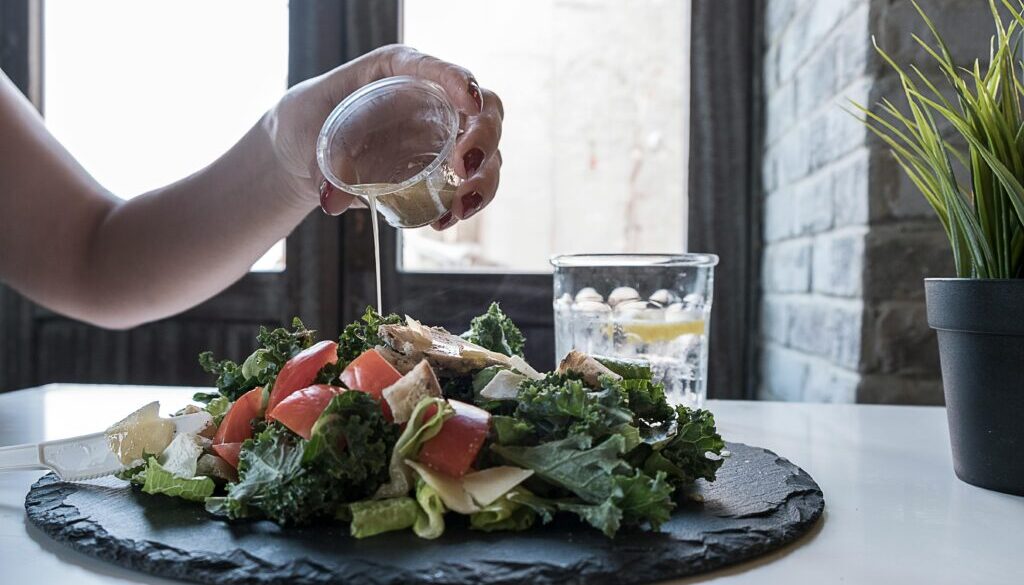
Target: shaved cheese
503	386
520	365
474	490
452	493
421	339
410	389
487	485
180	458
472	351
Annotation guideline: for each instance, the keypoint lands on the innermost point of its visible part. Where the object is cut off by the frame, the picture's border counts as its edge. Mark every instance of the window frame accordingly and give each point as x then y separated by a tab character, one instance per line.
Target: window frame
724	119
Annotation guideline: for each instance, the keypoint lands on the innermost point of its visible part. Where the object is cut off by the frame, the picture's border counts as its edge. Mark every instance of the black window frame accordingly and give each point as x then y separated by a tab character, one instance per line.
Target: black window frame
723	208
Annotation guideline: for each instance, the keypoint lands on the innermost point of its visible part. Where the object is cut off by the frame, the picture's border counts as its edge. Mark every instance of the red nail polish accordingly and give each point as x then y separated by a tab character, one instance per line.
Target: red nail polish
472	161
325	191
471	203
474	92
445	220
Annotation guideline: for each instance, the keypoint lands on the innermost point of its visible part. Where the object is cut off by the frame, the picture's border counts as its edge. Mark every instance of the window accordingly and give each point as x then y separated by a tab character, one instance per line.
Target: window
595	141
146	92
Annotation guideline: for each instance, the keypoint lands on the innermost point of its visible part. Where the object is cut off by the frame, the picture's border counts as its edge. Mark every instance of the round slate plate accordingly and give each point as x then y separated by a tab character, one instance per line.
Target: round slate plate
759	503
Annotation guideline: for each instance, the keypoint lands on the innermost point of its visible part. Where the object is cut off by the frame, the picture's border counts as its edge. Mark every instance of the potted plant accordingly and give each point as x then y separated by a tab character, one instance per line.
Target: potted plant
962	145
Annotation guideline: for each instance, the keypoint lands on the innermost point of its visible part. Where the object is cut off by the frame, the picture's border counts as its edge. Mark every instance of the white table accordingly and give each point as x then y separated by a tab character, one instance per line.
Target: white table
894	511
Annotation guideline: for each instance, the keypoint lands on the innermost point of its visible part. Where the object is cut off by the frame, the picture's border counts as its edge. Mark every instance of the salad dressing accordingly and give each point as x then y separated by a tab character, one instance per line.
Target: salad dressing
417	205
371	200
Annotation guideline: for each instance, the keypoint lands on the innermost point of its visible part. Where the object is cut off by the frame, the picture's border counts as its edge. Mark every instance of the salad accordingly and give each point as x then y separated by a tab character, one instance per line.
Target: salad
401	426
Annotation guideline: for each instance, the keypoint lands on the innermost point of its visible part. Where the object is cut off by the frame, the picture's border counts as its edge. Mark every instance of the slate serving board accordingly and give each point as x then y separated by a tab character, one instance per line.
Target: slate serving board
759	503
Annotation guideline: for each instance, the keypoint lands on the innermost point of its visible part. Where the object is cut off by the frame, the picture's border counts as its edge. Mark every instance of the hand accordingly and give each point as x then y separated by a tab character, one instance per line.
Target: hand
294	124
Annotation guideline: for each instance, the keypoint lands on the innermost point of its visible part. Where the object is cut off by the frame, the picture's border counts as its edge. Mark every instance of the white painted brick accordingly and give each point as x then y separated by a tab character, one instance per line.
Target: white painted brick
787	266
839	263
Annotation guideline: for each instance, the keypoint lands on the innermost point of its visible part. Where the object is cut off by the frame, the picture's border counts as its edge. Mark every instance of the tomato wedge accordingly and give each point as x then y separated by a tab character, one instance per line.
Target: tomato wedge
455	447
237	424
228	452
371	373
300	409
300	371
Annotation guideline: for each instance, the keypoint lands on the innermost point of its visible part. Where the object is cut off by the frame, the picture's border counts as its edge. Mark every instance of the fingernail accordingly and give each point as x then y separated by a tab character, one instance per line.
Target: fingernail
474	92
472	161
471	203
445	220
325	191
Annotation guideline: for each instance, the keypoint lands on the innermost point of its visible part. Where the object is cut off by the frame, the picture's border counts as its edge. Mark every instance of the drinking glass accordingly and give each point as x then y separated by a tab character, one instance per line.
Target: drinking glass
655	307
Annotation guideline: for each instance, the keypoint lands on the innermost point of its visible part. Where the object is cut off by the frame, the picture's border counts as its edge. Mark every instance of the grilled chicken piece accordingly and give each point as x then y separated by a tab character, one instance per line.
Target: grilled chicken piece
448	354
590	369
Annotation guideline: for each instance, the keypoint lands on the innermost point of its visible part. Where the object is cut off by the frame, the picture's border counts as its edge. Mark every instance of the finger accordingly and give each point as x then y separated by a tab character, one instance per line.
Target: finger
458	82
476	192
332	200
446	221
476	145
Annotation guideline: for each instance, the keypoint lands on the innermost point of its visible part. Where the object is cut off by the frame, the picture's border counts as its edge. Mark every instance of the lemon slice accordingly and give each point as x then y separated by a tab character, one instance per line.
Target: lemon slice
655	332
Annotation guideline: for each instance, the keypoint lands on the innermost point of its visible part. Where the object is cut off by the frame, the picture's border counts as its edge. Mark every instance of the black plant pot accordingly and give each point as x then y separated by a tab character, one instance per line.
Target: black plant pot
980	325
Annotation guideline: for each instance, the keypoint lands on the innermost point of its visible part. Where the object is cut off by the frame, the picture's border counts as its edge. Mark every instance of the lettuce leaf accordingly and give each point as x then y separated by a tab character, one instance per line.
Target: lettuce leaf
419	429
371	517
495	331
430	523
503	514
161	481
218	407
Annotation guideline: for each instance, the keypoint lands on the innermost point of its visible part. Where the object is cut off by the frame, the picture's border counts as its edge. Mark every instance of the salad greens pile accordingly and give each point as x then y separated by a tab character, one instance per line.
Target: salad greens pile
502	445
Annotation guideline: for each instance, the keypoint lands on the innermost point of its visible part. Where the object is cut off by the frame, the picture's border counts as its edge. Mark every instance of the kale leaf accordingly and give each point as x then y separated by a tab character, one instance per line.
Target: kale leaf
277	346
495	331
293	481
361	335
572	464
647	401
561	405
609	492
352	443
683	454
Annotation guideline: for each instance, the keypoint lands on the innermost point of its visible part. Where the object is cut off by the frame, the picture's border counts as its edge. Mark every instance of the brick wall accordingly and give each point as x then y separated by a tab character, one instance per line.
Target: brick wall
847	238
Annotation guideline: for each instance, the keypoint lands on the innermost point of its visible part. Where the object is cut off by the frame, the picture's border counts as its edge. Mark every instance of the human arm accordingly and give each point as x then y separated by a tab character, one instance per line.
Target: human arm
75	248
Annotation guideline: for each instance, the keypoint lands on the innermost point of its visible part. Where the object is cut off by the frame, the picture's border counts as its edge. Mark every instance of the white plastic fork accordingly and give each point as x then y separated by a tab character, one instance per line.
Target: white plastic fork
84	457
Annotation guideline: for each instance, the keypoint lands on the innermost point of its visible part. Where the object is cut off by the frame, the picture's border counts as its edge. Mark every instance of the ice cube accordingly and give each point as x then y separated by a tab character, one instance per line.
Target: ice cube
664	297
639	311
563	302
623	294
694	300
588	294
593	307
